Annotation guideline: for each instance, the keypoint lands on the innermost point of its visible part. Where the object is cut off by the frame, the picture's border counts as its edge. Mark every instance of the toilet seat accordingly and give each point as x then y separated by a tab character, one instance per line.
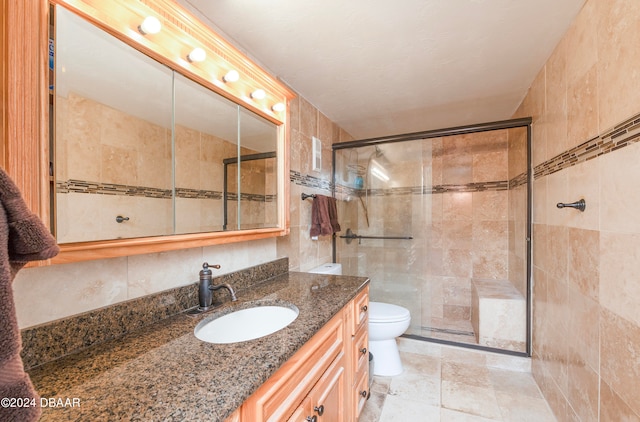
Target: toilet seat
386	312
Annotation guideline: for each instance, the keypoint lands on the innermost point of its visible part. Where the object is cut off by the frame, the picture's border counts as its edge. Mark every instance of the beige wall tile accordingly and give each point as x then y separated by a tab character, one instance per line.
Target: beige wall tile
619	269
613	408
620	357
619	195
540	201
583	182
457	206
490	205
618	57
308	118
584	323
45	294
582	108
556	101
584	261
583	390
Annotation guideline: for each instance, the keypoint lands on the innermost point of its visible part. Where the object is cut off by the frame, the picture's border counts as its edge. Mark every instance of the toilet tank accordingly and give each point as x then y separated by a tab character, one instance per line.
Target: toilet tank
328	269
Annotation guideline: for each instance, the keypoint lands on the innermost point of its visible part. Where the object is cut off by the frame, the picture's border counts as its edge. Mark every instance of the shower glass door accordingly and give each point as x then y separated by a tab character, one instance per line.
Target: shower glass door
440	226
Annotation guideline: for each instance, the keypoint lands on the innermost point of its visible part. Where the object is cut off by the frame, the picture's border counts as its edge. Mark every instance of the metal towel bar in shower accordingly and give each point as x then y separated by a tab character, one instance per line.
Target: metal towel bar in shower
351	235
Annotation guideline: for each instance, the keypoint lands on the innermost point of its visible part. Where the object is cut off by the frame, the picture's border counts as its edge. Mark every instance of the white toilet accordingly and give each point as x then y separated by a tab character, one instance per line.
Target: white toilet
330	268
386	322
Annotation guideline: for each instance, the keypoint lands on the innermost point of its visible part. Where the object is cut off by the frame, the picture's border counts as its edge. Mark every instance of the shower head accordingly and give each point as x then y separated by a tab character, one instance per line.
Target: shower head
378	152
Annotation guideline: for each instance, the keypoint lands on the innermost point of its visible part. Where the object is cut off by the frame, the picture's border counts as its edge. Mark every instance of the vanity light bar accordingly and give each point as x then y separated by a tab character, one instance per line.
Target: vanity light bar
253	91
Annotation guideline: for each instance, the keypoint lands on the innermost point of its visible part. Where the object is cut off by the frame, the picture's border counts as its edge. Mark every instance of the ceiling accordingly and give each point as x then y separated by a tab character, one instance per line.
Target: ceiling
381	68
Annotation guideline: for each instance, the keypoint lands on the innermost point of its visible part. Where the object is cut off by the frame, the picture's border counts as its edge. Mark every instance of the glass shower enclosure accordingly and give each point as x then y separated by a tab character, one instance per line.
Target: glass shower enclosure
440	222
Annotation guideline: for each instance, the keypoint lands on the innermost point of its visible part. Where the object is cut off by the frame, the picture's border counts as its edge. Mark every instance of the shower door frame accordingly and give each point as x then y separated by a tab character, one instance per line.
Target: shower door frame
462	130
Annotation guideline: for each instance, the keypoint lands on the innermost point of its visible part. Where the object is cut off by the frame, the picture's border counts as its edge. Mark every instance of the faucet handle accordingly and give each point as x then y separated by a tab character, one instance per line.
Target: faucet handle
206	269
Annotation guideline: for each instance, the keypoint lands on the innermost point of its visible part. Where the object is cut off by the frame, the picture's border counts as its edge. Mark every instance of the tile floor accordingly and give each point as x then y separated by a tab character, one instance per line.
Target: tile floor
449	384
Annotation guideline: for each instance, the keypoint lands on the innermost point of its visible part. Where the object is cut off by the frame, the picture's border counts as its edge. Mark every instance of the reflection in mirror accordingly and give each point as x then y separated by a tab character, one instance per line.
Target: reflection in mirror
206	132
141	150
257	181
112	137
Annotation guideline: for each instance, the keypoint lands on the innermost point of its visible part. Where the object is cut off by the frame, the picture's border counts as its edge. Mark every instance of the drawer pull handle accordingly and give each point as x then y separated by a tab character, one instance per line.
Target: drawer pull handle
363	393
319	409
363	350
313	418
364	308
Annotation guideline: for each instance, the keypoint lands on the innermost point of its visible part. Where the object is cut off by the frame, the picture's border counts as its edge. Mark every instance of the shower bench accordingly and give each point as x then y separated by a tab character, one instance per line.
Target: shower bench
498	314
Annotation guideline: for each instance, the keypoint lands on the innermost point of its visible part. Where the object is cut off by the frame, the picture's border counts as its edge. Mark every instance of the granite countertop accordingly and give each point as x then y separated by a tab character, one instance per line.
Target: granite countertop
162	372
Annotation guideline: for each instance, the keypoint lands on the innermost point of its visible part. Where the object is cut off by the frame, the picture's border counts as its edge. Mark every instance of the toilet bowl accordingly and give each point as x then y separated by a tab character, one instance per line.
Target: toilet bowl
386	322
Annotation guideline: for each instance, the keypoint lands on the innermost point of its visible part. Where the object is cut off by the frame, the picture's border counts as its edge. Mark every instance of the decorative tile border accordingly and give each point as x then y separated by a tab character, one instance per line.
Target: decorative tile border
428	190
620	136
519	180
97	188
309	181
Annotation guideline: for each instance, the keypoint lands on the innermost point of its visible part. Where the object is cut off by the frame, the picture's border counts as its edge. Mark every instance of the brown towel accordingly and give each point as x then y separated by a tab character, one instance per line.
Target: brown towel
23	238
324	216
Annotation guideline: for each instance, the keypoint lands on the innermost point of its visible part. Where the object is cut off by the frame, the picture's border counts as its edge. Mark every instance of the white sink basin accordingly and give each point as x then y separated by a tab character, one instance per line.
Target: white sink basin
245	324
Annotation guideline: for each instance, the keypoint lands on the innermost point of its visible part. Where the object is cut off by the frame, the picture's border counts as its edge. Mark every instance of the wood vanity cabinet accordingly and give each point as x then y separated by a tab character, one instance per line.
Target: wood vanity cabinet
326	380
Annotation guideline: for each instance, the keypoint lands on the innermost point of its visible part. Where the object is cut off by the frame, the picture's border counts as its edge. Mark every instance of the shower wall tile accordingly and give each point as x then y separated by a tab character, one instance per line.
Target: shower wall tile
457	262
456	291
457	235
458	169
490	205
457	206
491	165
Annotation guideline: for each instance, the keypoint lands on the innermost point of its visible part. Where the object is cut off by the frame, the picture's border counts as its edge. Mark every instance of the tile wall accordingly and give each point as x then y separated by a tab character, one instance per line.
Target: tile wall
585	105
307	122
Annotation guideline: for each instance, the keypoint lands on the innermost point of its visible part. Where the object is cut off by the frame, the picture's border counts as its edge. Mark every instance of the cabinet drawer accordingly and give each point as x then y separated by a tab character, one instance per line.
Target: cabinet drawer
361	392
360	310
360	358
281	394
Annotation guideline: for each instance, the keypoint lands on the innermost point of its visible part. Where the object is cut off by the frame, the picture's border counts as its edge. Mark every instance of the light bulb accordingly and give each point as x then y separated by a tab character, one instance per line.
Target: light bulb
278	107
150	25
197	55
231	76
258	94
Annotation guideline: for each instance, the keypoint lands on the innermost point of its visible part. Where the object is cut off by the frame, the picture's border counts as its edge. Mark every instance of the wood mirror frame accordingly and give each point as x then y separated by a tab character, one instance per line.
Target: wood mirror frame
25	104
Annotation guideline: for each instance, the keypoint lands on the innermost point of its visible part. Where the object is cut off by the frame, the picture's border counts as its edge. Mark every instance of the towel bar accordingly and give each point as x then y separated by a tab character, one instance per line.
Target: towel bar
307	195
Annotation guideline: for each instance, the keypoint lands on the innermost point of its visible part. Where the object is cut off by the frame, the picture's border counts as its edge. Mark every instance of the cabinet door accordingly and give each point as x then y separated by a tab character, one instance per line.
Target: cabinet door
328	396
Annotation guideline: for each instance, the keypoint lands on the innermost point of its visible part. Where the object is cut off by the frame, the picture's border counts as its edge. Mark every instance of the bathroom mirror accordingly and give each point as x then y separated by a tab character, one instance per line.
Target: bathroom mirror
144	151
